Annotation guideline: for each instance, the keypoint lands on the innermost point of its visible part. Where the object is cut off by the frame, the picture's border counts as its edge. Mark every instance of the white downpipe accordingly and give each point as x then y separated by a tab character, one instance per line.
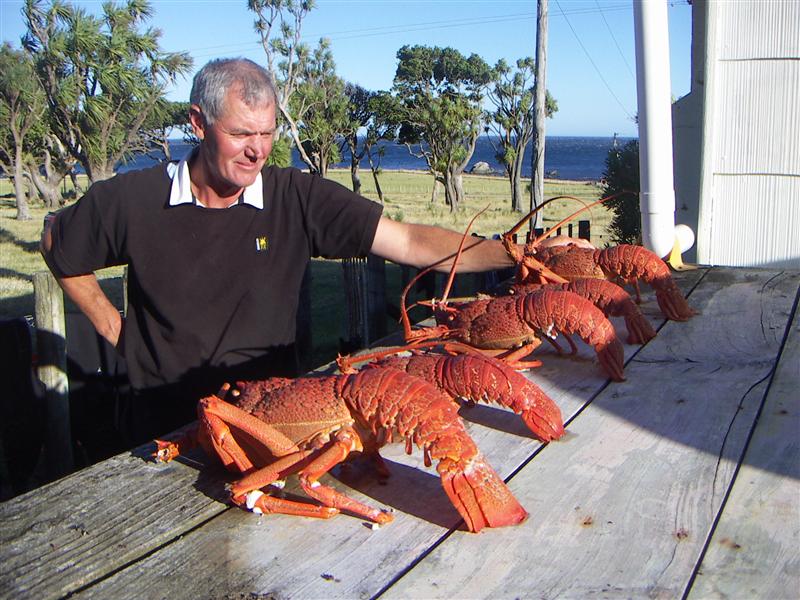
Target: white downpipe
654	93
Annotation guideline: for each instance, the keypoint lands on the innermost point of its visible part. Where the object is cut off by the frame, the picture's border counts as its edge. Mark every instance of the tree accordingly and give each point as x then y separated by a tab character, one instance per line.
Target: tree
22	108
286	58
375	112
321	105
156	129
358	116
103	79
383	126
440	91
512	120
622	175
46	165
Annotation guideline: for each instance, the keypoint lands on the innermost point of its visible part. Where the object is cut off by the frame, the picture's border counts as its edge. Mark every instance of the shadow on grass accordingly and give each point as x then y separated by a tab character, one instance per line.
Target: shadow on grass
31	247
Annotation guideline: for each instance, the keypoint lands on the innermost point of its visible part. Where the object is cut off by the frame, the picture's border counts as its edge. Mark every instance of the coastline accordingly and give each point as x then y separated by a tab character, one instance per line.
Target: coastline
488	176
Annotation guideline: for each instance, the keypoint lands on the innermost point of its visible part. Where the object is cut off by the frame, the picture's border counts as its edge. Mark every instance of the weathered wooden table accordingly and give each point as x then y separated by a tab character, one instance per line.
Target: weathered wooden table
682	481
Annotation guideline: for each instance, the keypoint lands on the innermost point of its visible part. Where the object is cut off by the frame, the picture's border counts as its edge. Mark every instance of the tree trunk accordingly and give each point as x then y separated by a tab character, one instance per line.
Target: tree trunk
73	177
435	190
453	187
23	211
515	176
323	163
293	129
47	189
355	159
48	185
355	178
374	170
101	173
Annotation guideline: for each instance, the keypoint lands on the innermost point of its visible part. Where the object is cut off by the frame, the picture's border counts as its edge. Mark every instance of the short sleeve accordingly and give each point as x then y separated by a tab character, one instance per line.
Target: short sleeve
340	223
88	234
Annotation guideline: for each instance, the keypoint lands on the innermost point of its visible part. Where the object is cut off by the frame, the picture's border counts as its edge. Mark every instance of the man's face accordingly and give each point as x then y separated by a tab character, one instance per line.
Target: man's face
237	144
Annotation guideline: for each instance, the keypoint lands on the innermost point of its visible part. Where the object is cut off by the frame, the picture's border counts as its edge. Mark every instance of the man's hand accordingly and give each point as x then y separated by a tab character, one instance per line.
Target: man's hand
563	240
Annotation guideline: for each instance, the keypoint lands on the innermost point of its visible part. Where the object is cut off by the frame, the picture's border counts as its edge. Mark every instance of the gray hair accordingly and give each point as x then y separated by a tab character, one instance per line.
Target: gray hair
213	82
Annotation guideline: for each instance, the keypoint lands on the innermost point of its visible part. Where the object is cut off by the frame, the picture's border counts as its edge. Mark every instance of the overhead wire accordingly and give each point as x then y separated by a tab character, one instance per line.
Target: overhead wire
596	68
613	37
200	52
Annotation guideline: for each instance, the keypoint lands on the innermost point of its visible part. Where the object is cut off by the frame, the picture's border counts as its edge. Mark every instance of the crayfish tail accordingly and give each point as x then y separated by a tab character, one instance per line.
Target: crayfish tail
546	427
480	496
612	358
672	303
640	331
484	379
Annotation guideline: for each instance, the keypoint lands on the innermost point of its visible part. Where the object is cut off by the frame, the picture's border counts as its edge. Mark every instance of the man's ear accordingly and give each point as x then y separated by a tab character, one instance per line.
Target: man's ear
197	121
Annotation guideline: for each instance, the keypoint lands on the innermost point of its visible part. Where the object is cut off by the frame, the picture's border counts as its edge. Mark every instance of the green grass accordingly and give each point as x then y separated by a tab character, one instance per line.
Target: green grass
407	196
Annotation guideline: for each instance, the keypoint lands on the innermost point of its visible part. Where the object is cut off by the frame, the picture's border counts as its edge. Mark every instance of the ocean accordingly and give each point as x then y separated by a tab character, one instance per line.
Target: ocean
566	157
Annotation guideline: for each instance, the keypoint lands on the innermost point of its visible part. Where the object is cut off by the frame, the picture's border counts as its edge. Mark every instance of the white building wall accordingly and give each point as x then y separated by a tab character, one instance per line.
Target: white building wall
749	213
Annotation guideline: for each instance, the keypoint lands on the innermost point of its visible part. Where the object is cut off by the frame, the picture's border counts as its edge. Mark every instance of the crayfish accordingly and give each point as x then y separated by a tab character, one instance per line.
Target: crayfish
270	429
512	326
625	263
613	300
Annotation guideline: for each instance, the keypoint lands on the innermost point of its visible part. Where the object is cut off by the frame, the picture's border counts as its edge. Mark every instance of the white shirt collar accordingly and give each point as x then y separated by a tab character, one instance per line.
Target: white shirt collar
181	190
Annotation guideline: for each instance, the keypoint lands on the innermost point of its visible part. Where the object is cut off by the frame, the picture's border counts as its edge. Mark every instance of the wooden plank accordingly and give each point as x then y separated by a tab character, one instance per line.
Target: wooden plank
282	556
754	549
65	535
51	343
623	507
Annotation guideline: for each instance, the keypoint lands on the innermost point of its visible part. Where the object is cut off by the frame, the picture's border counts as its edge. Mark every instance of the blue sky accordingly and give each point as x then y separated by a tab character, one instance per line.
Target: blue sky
591	61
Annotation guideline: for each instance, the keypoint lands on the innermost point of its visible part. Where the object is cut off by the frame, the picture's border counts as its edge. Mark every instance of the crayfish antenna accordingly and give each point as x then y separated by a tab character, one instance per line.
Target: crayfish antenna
459	252
535	241
529	216
345	363
404	320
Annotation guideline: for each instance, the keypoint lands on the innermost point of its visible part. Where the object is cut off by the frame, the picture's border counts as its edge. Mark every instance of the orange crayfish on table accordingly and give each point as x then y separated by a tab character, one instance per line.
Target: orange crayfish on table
270	429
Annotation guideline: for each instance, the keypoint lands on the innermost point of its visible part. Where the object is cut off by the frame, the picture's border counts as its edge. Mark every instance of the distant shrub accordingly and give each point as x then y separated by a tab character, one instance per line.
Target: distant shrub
622	175
398	215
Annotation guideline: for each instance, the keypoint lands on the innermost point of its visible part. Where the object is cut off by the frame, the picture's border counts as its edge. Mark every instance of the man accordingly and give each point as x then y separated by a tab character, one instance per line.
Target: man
216	247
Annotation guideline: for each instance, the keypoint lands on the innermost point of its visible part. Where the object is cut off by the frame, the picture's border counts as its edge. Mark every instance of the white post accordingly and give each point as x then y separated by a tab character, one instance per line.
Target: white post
654	93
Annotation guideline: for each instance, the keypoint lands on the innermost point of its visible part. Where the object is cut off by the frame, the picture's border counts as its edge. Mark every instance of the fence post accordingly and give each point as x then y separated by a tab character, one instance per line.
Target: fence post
354	274
376	296
365	298
51	344
584	230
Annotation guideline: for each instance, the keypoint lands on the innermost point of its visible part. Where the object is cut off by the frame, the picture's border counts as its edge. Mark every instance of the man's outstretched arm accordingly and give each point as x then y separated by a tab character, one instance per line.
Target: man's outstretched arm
423	245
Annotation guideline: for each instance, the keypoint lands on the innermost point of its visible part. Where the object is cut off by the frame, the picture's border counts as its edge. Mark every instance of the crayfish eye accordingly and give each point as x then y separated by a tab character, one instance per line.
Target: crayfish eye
451	318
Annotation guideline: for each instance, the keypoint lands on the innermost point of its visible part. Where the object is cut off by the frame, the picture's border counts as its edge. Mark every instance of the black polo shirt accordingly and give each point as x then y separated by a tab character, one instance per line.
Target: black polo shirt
212	293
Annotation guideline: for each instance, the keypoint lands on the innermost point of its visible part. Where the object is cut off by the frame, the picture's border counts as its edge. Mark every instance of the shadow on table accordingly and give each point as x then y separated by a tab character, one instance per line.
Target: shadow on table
408	489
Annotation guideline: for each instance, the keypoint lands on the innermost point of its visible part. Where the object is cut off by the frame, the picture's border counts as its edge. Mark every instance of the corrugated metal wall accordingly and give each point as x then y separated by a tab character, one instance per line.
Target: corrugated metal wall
750	198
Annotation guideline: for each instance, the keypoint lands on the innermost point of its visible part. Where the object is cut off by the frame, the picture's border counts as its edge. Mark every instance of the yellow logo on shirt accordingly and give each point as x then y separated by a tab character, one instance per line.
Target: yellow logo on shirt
262	244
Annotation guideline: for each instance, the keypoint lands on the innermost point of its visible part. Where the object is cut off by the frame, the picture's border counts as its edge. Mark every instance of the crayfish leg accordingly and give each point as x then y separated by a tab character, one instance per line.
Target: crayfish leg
513	358
177	443
261	503
636	289
324	462
573	349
